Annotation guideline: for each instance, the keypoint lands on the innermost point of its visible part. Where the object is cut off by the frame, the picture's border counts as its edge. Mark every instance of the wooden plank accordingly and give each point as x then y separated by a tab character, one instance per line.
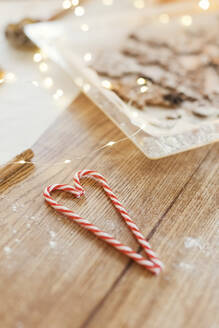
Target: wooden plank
60	281
186	295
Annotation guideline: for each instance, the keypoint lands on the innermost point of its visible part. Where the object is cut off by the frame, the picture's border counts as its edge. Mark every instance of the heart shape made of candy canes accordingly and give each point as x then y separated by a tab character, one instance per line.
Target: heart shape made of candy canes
151	263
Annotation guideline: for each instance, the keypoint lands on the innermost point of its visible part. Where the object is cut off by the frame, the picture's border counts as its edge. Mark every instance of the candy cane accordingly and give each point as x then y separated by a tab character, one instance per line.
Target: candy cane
153	264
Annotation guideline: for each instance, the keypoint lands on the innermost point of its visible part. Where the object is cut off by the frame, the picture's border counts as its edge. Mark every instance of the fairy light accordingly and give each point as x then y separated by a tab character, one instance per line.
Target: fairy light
139	4
59	93
186	20
86	87
204	4
43	67
144	88
106	84
135	114
78	81
107	2
67	161
10	77
84	27
164	18
21	162
87	57
75	2
37	57
141	81
66	4
48	82
79	11
110	143
2	80
35	83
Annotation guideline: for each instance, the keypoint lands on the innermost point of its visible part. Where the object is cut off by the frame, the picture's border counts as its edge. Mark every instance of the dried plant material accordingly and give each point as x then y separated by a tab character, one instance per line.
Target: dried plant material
182	65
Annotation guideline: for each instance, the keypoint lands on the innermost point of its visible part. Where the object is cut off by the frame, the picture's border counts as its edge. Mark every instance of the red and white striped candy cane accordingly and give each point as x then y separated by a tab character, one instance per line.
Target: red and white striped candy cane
153	264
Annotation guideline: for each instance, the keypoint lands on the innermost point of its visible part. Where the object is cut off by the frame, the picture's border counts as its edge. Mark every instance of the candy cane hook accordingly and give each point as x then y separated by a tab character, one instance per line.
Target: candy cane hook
151	263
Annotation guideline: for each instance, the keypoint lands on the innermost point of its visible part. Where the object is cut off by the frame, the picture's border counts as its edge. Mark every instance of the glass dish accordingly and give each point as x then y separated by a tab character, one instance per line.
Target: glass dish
76	40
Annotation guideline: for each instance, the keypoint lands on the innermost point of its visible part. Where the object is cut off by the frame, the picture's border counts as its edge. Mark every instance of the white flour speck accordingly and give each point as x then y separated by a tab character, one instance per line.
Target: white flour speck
14	231
186	266
14	208
28	225
52	234
193	242
52	244
7	249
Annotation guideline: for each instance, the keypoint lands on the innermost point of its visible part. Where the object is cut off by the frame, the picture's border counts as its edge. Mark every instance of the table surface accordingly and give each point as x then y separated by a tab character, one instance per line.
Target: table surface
56	274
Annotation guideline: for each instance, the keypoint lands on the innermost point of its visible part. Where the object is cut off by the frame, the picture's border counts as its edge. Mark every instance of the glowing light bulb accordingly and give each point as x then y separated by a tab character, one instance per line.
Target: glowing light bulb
86	87
79	11
43	67
204	4
144	88
84	27
21	162
35	83
66	4
139	4
111	143
87	57
48	82
78	81
186	20
37	57
164	18
106	84
141	81
107	2
75	2
10	77
59	93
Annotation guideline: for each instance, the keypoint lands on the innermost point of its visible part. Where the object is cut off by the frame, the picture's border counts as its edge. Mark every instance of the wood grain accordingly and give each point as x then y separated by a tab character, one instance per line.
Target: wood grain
75	280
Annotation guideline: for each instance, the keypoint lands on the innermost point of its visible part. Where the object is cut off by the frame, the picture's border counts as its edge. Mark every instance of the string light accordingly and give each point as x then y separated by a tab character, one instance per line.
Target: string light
86	87
79	11
48	82
84	27
139	4
141	81
204	4
10	77
186	20
106	84
35	83
164	18
66	4
75	2
78	81
144	88
87	57
43	67
110	143
37	57
107	2
59	93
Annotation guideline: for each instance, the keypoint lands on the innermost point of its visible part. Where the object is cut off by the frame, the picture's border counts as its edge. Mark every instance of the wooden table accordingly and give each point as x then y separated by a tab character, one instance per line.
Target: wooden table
54	274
